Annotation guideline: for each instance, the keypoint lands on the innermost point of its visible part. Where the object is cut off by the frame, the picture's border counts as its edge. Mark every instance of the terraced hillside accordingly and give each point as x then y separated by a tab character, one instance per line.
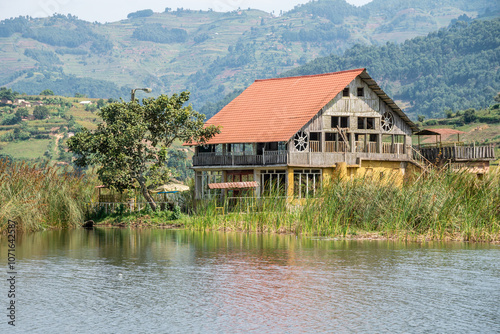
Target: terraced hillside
207	52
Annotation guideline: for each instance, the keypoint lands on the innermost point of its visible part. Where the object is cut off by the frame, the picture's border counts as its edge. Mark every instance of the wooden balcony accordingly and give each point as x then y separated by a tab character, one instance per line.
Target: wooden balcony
332	147
218	159
457	153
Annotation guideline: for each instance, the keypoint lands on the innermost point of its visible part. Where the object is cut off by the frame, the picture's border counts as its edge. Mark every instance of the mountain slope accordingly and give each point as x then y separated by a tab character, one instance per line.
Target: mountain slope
207	52
453	68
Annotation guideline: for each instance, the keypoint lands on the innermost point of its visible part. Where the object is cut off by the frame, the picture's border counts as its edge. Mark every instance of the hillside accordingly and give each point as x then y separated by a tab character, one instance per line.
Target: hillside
37	129
207	52
453	68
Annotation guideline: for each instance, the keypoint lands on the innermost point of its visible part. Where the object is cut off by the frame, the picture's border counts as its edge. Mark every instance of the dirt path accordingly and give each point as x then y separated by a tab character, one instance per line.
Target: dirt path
58	137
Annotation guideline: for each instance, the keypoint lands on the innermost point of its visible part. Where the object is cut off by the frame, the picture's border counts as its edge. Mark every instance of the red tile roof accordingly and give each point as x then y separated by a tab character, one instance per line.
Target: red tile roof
275	109
233	185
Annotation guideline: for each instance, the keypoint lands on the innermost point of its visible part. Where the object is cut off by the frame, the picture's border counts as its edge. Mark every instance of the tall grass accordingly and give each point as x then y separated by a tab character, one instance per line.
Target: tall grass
41	196
442	206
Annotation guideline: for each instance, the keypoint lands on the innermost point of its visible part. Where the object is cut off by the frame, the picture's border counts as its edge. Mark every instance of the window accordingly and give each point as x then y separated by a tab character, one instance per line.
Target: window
345	92
273	182
342	121
240	176
315	141
366	123
361	92
370	123
306	182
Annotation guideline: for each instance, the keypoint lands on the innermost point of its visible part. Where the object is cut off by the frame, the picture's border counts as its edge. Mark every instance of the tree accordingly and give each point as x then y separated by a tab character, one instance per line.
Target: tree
22	112
47	92
469	116
7	93
41	112
130	146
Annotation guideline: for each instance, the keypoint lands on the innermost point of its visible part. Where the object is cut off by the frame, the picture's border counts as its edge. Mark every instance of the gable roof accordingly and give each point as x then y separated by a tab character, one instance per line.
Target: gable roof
274	110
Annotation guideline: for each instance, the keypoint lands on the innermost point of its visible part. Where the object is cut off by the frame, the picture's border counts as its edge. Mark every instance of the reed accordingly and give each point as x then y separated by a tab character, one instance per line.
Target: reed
440	206
42	196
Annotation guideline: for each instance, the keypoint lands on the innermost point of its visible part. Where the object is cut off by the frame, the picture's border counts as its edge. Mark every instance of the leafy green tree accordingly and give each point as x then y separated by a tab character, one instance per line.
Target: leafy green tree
7	93
47	92
10	119
130	146
470	115
22	112
41	112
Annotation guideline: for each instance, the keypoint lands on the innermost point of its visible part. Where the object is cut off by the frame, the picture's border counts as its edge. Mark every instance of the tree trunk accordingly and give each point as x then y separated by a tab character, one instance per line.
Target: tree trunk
147	195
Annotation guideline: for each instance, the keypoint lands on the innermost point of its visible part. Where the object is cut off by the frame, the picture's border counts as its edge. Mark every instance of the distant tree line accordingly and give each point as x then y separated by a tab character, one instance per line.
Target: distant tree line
319	34
67	85
60	30
140	13
155	32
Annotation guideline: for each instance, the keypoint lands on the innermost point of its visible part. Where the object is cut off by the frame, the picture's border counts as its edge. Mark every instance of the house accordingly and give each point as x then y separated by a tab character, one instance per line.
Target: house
5	101
22	103
291	134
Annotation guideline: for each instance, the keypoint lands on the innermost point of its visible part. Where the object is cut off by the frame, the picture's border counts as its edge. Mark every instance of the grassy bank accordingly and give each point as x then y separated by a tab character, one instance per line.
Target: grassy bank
39	197
441	206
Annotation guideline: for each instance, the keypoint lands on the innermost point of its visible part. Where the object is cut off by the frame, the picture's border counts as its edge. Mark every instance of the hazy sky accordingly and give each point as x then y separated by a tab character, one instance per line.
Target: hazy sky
115	10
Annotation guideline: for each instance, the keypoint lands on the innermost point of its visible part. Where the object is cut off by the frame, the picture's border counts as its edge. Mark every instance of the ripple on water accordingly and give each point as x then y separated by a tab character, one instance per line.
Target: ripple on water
327	287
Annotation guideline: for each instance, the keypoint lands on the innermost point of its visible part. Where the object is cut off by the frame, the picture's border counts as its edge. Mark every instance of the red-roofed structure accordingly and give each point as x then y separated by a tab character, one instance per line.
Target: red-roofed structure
290	134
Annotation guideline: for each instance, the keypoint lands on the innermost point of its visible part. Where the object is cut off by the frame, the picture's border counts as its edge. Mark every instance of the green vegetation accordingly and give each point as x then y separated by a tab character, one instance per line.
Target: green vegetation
213	53
448	69
23	150
130	146
40	197
440	206
158	34
140	13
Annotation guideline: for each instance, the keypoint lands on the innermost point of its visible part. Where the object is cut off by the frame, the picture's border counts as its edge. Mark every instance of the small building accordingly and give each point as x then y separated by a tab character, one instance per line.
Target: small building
22	103
6	101
292	134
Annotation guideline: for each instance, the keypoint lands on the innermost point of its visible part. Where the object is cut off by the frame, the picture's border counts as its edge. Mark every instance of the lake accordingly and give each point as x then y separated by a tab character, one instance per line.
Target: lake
177	281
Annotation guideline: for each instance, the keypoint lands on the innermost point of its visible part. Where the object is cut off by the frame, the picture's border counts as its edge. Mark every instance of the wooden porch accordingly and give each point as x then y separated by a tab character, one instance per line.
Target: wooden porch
219	159
454	152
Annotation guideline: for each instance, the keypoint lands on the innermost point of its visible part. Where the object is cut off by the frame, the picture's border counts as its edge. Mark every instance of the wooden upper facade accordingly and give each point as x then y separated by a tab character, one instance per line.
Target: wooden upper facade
309	121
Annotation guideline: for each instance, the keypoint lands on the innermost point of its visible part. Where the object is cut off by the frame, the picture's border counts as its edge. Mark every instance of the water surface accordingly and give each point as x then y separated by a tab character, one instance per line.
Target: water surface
165	281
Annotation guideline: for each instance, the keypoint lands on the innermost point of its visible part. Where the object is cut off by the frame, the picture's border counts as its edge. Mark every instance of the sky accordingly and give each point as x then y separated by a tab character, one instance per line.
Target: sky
115	10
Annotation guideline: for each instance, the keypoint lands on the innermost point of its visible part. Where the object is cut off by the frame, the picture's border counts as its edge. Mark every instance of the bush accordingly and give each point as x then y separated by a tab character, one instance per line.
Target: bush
41	112
11	119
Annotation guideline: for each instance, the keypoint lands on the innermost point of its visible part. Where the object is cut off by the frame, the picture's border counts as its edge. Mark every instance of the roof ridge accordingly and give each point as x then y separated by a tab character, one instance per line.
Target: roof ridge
312	75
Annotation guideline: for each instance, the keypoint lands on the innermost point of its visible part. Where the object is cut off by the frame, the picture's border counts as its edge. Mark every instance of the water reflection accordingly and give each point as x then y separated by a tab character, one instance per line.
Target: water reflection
113	280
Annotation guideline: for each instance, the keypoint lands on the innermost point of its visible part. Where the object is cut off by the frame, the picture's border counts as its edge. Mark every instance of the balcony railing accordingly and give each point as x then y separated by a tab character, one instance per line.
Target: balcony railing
369	147
458	153
396	148
218	159
333	147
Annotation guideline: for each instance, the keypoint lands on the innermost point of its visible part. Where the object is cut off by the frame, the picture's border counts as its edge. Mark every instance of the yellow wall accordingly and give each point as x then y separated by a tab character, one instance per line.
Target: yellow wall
385	171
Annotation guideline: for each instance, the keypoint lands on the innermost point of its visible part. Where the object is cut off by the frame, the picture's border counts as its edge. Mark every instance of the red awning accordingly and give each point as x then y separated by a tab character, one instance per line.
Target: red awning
233	185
